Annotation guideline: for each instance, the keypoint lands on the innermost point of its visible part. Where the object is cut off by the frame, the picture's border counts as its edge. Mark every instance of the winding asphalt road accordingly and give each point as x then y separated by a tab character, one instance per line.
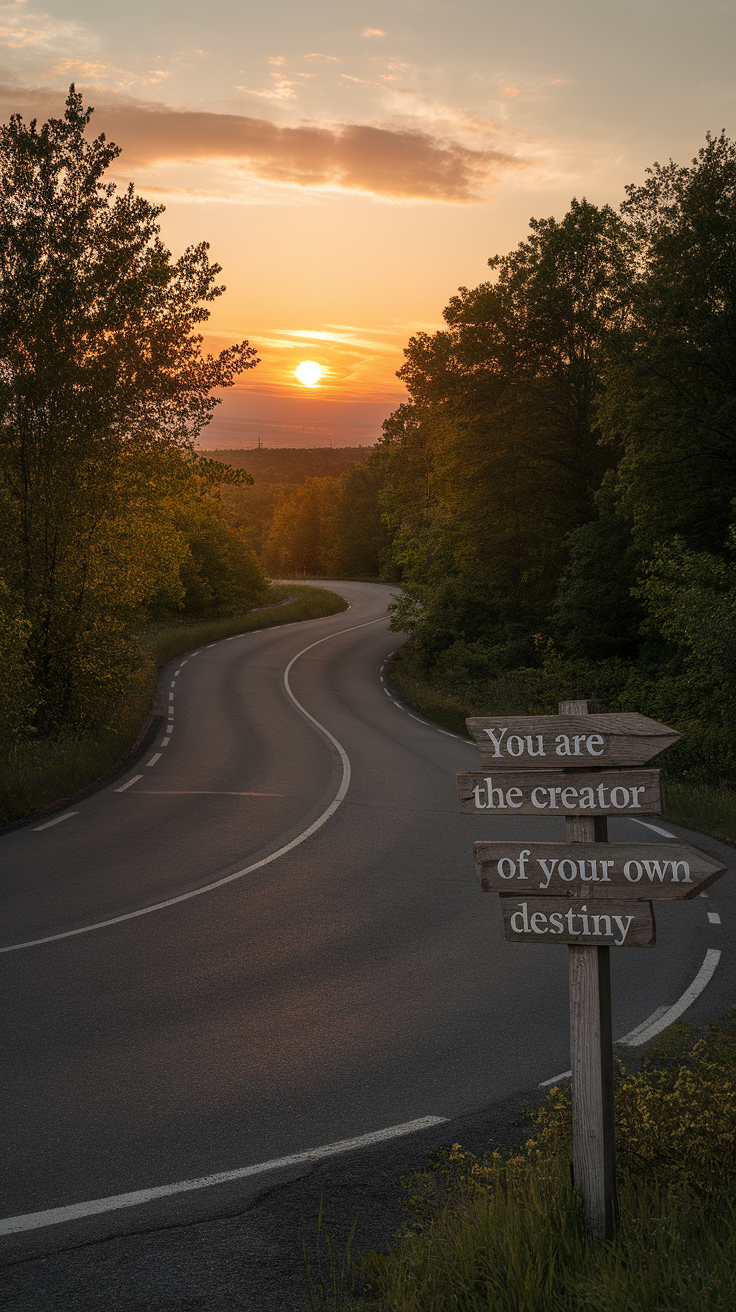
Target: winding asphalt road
284	944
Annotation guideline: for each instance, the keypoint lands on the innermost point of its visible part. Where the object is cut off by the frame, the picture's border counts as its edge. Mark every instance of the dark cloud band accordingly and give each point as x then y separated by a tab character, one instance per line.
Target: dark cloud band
394	162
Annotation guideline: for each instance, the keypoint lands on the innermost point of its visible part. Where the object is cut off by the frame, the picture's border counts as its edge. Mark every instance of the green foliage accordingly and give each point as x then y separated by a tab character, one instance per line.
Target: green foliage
102	378
486	1231
18	697
670	401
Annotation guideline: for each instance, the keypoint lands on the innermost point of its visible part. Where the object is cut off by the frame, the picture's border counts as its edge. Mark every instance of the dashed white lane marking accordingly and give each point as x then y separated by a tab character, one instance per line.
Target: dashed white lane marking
714	918
66	816
13	1225
134	780
665	1016
164	742
171	696
664	832
210	644
154	759
257	865
173	683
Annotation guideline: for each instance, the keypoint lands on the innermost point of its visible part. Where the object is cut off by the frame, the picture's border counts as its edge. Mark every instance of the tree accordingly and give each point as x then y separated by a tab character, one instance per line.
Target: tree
501	427
670	401
100	363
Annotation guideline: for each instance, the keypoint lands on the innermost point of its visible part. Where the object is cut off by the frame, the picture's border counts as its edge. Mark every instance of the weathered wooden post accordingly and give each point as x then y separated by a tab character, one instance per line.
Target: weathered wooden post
591	1051
586	892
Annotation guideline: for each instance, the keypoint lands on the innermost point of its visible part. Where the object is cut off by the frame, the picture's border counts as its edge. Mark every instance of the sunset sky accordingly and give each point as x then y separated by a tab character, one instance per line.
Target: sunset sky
352	164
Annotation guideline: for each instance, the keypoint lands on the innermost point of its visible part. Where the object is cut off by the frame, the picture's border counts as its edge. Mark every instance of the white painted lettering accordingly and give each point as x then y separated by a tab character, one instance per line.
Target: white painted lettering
538	919
655	870
553	795
514	738
548	868
635	803
606	866
571	866
578	739
540	746
602	797
476	794
597	923
675	867
569	917
586	799
585	921
496	741
619	792
493	793
506	860
633	878
593	876
556	922
540	805
563	745
523	856
569	797
511	796
523	928
623	928
595	741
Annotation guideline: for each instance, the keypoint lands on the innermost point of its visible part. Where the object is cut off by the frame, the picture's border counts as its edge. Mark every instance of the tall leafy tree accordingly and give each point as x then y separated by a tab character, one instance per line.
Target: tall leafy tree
100	359
503	409
671	389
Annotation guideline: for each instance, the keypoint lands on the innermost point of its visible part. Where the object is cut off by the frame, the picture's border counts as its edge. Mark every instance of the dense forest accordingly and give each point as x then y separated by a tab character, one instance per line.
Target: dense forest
557	495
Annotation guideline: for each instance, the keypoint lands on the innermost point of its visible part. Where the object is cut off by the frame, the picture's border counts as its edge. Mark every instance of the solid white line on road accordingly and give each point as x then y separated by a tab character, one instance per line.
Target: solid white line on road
13	1225
665	1016
67	816
564	1076
257	865
154	759
664	832
714	918
134	780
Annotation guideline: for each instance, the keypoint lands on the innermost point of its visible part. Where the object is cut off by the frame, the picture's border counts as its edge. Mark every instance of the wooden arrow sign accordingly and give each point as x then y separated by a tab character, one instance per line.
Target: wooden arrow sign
550	792
539	742
600	870
582	922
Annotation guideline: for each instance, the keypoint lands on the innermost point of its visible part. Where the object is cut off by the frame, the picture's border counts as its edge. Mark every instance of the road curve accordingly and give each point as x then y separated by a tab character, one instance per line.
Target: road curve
288	961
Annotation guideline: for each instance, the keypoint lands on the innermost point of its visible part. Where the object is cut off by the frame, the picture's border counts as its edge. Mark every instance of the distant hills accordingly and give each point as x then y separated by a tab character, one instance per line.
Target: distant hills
288	466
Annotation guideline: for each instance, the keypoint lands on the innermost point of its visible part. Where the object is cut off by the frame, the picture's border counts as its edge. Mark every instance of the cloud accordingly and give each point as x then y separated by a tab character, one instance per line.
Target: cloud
405	163
373	31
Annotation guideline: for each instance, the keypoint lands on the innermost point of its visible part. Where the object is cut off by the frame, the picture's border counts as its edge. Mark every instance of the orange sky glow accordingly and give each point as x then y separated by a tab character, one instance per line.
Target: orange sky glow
351	166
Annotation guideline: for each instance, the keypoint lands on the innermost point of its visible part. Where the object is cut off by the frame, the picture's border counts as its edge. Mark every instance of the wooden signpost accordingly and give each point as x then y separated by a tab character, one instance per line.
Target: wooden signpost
581	893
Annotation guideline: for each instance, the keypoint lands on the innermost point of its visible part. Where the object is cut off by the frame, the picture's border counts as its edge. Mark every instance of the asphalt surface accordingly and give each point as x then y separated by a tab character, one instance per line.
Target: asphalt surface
358	981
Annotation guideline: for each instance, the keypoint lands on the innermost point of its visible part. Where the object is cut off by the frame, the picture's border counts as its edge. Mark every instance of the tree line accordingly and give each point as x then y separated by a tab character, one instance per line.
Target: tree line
557	495
108	517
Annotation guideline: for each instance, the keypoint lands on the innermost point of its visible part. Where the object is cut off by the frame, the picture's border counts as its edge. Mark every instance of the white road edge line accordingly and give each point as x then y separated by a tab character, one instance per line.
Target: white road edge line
266	860
665	1016
664	832
11	1225
67	816
564	1076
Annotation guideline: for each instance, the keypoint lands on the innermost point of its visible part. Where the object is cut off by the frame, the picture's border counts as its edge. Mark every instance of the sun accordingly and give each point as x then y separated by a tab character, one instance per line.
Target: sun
309	373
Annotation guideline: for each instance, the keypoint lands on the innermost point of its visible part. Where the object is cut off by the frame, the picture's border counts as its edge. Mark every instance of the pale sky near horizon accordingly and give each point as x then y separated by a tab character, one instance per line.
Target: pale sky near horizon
353	163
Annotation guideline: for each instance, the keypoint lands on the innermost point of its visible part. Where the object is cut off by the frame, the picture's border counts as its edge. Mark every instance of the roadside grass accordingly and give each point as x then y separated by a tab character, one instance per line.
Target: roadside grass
710	808
41	775
488	1233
